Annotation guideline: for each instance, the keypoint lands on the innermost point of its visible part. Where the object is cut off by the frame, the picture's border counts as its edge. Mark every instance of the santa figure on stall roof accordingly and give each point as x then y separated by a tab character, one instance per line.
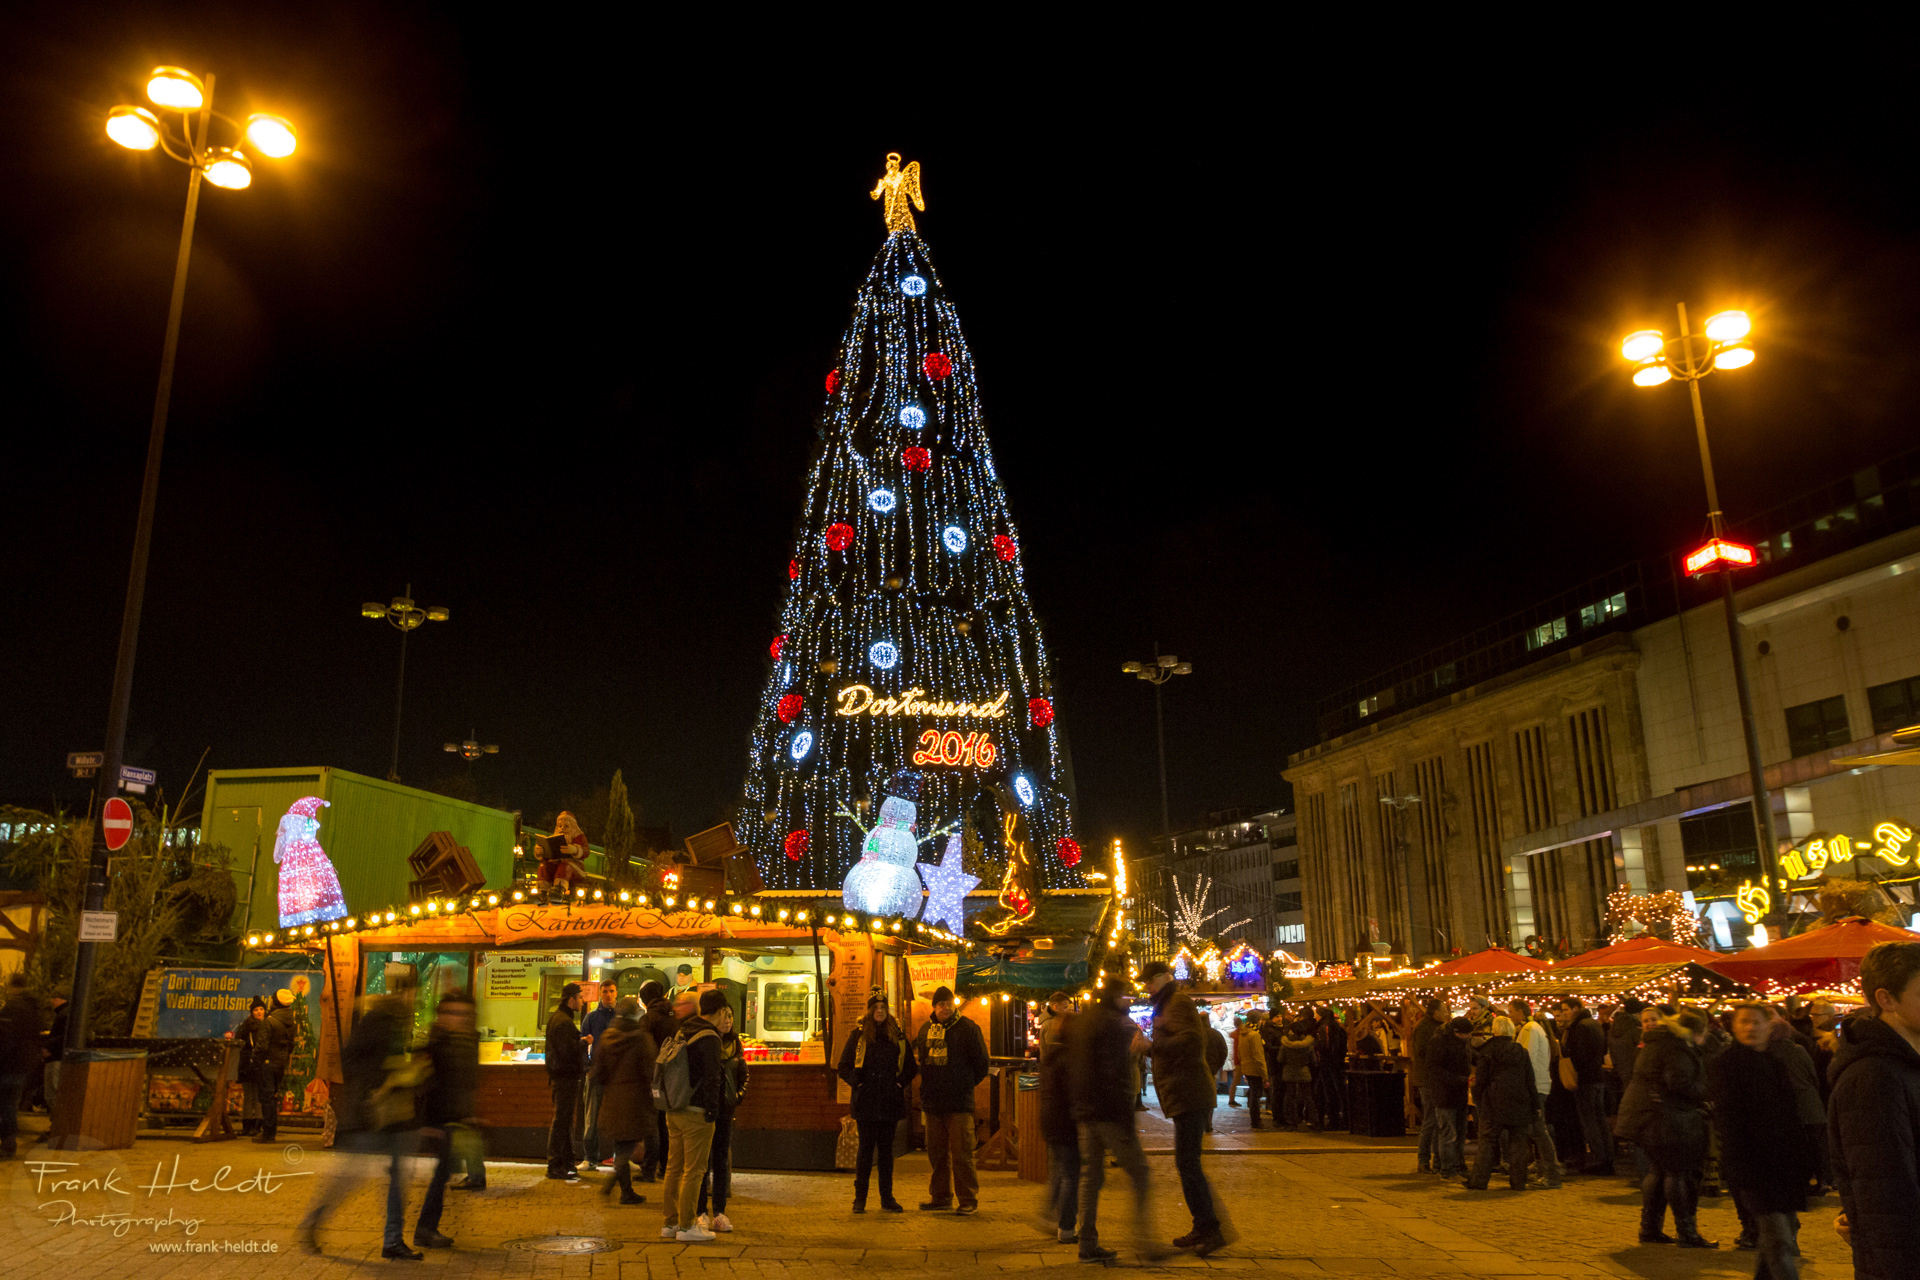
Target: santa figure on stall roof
562	855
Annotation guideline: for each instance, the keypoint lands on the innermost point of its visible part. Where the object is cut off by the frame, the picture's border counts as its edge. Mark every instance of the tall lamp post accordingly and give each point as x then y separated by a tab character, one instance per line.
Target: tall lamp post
1656	359
175	91
471	749
1163	668
406	617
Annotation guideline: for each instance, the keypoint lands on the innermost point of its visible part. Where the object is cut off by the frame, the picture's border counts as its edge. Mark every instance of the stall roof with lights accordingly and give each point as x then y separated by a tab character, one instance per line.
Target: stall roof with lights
1826	958
1655	983
1642	950
1492	960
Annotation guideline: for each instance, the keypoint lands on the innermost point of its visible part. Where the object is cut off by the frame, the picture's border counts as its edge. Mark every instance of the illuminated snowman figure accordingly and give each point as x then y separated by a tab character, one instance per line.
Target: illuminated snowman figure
884	882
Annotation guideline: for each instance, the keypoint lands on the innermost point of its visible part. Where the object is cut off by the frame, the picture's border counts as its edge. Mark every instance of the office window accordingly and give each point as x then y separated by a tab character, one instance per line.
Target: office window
1286	902
1288	870
1547	633
1612	607
1720	845
1445	675
1816	726
1894	706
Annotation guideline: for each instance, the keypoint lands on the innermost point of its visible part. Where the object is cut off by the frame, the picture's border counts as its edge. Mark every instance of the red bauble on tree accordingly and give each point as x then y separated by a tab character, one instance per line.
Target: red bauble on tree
936	365
796	844
1004	545
839	536
833	381
793	570
789	708
1069	850
779	643
1040	712
915	458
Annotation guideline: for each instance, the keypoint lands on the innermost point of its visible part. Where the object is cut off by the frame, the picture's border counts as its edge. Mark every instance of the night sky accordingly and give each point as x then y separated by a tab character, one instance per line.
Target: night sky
1294	388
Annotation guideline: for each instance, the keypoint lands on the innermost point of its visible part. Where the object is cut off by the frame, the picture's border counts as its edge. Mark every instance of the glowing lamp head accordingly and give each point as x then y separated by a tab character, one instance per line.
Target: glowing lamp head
1721	554
1651	375
1729	326
271	136
176	89
1734	358
1642	345
228	169
135	128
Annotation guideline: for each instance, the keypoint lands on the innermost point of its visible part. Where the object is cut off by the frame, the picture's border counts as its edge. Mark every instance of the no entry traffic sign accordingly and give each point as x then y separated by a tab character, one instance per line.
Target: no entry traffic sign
116	821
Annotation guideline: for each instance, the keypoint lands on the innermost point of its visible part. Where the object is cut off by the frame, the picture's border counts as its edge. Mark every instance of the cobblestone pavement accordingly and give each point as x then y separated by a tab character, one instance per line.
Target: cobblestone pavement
1301	1205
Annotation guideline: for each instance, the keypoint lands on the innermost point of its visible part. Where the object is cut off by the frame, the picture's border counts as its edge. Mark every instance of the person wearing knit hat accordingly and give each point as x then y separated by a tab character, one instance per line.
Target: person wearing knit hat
1506	1102
272	1050
250	1036
952	1058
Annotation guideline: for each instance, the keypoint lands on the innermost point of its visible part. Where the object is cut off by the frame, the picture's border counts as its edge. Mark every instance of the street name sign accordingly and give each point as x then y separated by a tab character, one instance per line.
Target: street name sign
136	780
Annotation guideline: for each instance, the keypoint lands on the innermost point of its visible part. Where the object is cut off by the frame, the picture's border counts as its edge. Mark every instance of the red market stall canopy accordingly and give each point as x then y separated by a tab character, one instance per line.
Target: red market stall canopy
1821	959
1492	960
1643	950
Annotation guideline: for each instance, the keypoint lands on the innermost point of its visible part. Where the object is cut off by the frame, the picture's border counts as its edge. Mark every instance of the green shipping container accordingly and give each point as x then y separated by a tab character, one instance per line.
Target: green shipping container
367	830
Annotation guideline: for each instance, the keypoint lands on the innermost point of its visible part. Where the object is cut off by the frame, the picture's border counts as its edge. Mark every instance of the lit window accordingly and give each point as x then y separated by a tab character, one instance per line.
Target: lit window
1547	633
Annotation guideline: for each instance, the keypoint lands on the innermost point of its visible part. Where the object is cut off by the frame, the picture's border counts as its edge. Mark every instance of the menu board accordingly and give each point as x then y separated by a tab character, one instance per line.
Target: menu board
514	977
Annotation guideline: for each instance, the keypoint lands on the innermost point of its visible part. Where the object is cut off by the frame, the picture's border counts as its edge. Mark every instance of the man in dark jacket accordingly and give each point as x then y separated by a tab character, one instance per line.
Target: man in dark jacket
1663	1113
273	1050
1186	1091
373	1051
952	1057
597	1152
566	1071
1058	1129
1873	1115
1623	1040
623	1059
1330	1070
1809	1100
659	1022
447	1108
1101	1045
690	1128
1582	1041
19	1054
1449	1067
1506	1103
1435	1138
1764	1153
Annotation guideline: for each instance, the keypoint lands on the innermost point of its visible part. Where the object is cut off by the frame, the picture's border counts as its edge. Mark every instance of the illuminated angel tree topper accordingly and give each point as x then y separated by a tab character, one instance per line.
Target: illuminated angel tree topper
906	641
309	889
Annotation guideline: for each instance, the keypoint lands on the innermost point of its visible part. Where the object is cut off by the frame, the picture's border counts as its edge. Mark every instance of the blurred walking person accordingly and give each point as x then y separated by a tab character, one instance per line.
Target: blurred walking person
273	1050
952	1058
623	1058
599	1153
566	1073
1764	1152
1061	1134
687	1081
717	1185
447	1112
1101	1044
1185	1088
1662	1112
19	1054
1873	1115
373	1112
877	1065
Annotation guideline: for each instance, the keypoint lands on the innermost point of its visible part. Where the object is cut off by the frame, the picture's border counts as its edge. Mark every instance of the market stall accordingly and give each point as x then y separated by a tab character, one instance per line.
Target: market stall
1653	983
1645	949
1823	959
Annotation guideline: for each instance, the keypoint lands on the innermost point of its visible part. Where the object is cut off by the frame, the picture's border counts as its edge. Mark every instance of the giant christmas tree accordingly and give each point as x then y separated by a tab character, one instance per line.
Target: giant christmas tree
909	710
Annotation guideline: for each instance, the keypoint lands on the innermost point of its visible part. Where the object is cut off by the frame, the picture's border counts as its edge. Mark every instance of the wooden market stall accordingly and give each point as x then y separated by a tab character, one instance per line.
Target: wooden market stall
1823	959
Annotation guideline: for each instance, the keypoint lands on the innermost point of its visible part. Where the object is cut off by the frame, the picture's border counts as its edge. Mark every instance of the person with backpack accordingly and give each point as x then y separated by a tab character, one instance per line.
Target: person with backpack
952	1057
566	1070
623	1059
657	1021
877	1065
687	1083
718	1182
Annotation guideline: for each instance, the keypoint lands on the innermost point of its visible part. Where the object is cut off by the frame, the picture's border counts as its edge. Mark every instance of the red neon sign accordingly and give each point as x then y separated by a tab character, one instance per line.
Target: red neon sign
1721	554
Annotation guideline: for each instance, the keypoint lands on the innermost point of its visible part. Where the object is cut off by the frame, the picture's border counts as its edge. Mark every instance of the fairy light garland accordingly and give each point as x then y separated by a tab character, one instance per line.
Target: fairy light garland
904	575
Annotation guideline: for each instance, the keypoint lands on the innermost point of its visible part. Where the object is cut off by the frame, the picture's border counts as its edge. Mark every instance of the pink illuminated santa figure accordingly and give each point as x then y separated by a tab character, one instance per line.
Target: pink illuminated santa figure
309	889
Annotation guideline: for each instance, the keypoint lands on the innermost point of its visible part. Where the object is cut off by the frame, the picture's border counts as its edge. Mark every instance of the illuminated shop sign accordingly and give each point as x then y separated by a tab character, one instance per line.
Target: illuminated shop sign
1889	844
861	700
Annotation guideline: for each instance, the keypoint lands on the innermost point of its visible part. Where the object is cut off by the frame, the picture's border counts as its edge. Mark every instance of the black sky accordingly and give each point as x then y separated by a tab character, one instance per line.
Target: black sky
1292	386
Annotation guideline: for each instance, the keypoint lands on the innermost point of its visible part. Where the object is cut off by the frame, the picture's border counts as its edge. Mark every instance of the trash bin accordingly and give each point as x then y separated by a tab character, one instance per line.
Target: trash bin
1026	1127
1376	1103
98	1105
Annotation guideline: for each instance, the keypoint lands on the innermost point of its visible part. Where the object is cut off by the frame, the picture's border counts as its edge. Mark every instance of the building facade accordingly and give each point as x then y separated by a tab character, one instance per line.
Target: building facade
1223	880
1497	789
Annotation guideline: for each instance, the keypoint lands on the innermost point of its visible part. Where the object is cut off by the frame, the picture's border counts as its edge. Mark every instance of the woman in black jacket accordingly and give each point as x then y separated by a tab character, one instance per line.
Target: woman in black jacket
1663	1111
1764	1152
250	1035
878	1065
733	1090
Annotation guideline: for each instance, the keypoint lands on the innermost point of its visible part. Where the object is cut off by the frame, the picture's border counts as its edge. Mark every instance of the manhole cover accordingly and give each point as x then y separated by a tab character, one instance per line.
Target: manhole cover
561	1244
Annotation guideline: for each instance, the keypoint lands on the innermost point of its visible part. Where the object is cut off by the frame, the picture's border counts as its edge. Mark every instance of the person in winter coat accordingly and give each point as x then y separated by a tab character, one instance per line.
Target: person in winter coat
448	1105
660	1022
1873	1115
623	1058
1329	1071
19	1054
878	1065
1534	1040
1100	1045
717	1186
1506	1105
1663	1112
1582	1040
1251	1058
1764	1152
952	1057
1435	1139
690	1128
566	1075
1061	1134
272	1050
249	1035
1449	1069
1185	1087
593	1143
1296	1074
1623	1040
1809	1102
375	1049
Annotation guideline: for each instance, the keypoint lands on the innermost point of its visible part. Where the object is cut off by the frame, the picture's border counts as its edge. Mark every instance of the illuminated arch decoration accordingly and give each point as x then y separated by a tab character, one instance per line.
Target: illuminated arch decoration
309	888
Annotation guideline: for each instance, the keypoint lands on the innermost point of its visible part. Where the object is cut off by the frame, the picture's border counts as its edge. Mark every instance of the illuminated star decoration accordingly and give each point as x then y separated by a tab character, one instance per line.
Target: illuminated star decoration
947	888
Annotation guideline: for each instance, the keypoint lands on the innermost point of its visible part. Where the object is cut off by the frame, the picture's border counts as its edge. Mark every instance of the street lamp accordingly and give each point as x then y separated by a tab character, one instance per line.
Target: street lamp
176	90
406	617
1689	358
471	750
1163	668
